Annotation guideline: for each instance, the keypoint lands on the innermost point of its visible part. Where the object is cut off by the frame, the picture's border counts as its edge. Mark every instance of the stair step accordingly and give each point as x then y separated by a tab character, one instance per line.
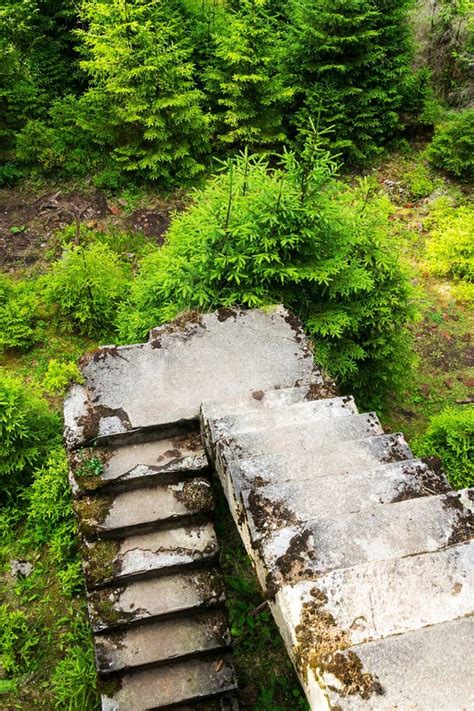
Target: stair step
428	669
167	595
275	506
162	641
175	683
316	388
135	465
381	598
343	458
229	702
106	561
301	413
292	439
375	533
140	510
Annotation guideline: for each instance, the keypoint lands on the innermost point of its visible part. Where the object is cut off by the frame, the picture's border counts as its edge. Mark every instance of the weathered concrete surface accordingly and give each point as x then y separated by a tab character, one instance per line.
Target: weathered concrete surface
162	641
373	533
269	508
135	465
165	381
144	509
164	596
427	670
111	560
172	684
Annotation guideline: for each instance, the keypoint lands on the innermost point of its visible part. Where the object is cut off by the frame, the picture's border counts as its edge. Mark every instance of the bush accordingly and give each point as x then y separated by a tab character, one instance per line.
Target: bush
18	314
291	234
86	285
450	247
74	680
452	147
60	375
17	641
450	436
27	432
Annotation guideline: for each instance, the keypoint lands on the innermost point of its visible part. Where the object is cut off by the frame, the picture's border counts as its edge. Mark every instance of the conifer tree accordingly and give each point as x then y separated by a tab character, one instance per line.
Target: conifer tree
244	86
143	101
348	61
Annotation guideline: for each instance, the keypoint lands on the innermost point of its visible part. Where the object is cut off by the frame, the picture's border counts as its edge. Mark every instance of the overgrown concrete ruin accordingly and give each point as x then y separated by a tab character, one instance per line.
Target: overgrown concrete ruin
365	554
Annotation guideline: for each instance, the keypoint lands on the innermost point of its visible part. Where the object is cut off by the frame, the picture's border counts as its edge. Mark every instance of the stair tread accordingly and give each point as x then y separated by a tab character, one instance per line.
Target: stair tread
175	683
161	641
109	560
409	671
134	464
378	532
274	506
383	597
144	507
147	599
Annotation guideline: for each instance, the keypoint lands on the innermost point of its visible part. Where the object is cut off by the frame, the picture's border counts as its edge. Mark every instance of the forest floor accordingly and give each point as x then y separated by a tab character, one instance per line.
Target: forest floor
31	221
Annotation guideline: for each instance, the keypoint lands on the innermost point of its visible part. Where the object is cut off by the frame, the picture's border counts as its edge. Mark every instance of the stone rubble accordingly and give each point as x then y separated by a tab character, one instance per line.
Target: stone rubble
365	554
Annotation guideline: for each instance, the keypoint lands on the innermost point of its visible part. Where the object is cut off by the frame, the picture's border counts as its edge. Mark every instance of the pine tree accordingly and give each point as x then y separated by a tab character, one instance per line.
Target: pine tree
142	97
244	86
348	60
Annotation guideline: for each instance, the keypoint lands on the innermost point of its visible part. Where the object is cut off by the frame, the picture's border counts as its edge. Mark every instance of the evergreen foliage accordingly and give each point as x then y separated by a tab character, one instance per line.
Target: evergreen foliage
293	234
27	432
348	61
450	436
452	147
86	285
244	88
18	315
142	102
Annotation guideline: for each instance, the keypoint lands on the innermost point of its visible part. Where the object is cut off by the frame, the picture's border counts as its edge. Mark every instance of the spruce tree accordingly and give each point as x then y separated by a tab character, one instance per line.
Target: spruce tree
348	61
245	89
142	99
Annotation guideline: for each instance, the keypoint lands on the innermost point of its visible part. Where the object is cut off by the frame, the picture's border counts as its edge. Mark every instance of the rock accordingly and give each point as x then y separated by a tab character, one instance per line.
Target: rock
20	568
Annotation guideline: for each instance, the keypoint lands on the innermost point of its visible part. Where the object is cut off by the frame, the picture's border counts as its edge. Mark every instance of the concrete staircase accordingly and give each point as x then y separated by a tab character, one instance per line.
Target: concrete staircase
366	555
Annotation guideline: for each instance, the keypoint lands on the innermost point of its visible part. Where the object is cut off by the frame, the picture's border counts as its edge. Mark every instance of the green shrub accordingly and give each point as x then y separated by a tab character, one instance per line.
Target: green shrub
60	375
452	147
450	436
450	246
86	285
18	314
74	679
419	182
27	432
294	234
17	641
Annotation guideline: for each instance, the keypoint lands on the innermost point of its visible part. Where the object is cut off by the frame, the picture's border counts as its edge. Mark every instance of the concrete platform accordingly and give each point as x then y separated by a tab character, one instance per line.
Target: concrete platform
165	596
162	641
163	382
180	682
147	554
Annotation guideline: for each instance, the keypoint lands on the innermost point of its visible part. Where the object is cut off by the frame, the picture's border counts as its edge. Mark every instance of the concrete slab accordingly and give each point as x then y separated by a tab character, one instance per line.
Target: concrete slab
376	600
302	413
143	509
425	670
275	506
222	355
162	641
378	532
143	600
293	439
175	683
147	554
135	465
